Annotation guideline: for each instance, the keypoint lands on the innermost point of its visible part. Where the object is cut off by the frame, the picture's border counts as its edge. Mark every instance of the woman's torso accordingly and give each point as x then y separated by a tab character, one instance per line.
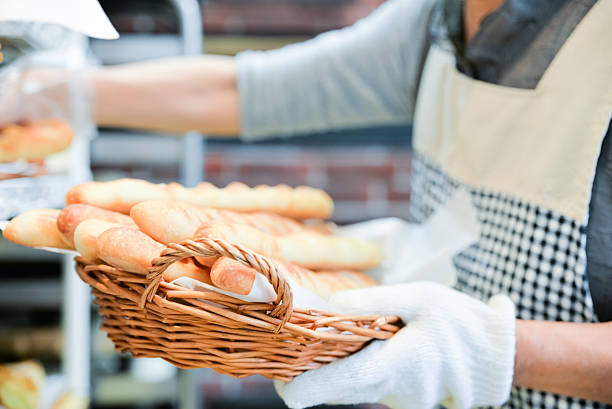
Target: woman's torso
534	234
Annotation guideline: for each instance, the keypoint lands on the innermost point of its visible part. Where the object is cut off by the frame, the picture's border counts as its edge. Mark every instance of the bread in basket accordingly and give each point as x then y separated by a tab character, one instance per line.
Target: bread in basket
146	313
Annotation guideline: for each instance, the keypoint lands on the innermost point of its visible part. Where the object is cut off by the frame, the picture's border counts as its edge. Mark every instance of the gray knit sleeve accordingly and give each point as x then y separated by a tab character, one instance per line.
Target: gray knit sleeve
363	75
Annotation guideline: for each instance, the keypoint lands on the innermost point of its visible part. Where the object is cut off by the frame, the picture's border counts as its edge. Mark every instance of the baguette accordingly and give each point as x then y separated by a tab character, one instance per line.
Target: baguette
310	250
71	216
36	228
34	140
182	220
120	195
131	250
86	237
233	276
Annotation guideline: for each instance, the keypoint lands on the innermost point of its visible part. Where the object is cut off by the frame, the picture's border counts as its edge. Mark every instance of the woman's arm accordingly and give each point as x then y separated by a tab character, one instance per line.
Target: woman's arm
572	359
363	75
173	95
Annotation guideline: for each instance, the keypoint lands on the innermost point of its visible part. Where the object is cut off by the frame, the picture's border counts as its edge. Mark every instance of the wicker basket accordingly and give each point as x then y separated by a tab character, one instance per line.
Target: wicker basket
149	317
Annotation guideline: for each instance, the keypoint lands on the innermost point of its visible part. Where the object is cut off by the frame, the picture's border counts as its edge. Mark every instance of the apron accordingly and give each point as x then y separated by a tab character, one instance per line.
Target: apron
528	158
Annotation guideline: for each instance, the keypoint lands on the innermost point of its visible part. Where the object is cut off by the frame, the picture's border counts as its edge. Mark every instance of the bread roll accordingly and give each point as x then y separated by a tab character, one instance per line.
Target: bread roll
21	385
86	237
120	195
231	275
34	140
36	228
129	249
187	268
310	250
71	216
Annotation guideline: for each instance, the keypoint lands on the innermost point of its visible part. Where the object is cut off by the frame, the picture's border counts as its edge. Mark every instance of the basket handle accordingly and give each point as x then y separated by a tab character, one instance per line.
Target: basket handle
208	247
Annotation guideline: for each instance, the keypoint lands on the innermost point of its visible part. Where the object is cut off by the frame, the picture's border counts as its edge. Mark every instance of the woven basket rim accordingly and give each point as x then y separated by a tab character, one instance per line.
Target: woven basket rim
207	247
280	310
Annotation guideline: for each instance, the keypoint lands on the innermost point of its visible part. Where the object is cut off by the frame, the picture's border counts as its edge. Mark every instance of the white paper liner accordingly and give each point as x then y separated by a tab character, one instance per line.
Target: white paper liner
421	252
263	291
53	389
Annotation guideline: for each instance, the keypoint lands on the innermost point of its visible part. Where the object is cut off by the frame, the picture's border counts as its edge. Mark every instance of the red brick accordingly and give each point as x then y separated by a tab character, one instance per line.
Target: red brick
222	178
215	162
384	171
358	182
273	175
212	389
283	17
345	187
400	183
402	162
394	195
256	386
398	209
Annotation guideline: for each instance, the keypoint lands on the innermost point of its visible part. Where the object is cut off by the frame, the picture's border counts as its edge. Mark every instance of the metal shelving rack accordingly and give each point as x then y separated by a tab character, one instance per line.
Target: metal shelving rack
17	195
71	295
144	147
189	150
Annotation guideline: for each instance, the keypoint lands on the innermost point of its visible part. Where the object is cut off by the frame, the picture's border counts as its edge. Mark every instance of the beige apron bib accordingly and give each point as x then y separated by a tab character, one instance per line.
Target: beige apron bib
528	158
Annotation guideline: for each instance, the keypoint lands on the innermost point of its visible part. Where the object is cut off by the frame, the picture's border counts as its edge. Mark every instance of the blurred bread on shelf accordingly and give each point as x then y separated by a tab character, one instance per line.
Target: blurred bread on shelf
21	384
34	140
71	401
40	342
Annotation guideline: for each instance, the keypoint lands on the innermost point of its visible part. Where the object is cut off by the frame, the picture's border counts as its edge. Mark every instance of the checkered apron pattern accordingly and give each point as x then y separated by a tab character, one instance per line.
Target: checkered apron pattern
534	255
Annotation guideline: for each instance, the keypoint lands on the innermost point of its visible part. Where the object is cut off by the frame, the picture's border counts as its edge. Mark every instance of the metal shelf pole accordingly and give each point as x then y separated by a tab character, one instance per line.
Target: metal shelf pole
192	165
76	324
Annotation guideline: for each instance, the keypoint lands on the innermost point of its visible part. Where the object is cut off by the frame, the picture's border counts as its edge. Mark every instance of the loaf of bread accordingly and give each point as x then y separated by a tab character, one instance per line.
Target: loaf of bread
71	216
36	228
187	268
310	250
231	275
131	250
120	195
86	237
181	220
34	140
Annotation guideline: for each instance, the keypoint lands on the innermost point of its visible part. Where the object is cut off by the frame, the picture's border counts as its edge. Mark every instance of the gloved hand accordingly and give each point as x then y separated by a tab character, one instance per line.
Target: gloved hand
39	93
454	350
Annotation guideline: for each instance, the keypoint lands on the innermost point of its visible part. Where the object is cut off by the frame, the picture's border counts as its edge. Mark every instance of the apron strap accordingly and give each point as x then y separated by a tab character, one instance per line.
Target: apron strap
586	56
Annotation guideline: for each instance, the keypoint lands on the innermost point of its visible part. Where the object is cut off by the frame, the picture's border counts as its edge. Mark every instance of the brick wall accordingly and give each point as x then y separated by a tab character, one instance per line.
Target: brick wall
281	16
365	182
244	17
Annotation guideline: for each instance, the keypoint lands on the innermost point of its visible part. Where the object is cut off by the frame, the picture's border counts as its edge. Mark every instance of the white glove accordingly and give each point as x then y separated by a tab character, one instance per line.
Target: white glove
454	350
